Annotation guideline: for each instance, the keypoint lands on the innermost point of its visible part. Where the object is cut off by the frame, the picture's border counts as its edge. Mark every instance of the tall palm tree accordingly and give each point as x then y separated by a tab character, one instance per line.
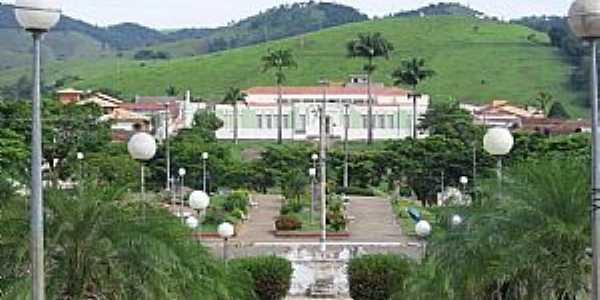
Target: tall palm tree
412	72
370	46
234	96
279	60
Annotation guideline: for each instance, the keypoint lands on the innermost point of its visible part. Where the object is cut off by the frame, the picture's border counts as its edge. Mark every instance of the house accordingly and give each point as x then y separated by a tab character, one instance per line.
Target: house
346	104
106	102
501	113
548	126
125	123
69	95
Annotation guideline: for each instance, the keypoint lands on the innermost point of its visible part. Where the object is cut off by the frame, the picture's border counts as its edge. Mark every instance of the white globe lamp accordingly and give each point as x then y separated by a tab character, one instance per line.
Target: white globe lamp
226	230
199	200
456	220
498	141
80	156
142	146
584	18
464	180
192	222
315	157
182	172
38	15
312	172
423	229
205	155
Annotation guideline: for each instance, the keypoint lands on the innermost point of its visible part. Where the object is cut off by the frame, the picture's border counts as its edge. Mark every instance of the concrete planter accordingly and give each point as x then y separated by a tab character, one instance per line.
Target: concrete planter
341	235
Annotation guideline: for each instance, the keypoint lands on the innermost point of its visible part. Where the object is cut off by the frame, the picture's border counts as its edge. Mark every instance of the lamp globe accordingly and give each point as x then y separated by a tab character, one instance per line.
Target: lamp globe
37	15
584	18
423	229
498	141
142	146
226	230
199	200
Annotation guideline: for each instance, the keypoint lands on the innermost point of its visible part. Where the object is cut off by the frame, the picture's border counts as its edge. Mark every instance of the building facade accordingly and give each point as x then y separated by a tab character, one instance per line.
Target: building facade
347	104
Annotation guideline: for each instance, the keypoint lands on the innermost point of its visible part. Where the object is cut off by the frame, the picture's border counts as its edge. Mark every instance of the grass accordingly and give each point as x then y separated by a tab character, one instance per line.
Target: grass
496	62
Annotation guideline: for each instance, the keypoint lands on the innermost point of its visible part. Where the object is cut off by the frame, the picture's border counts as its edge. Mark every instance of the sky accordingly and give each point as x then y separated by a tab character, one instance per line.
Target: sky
173	14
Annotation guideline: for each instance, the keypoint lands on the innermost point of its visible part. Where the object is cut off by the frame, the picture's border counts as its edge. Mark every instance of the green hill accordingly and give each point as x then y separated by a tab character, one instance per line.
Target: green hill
475	60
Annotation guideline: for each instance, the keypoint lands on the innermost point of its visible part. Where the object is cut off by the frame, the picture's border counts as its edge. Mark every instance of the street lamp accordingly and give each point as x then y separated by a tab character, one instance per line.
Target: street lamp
314	158
142	147
464	180
584	19
37	17
498	141
204	159
456	220
226	231
199	201
423	230
181	178
80	158
312	172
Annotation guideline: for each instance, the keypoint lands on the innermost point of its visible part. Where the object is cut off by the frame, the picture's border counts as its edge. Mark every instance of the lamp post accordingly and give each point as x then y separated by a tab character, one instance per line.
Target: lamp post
312	172
584	19
199	201
498	141
346	129
226	231
423	230
37	17
204	159
464	180
167	147
182	180
323	164
80	158
142	147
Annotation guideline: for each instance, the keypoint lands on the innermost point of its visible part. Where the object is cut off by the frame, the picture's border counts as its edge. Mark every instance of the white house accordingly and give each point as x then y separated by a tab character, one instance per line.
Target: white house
258	116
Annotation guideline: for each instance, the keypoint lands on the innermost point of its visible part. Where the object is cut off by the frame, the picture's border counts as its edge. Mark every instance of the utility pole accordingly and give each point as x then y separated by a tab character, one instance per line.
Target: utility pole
323	164
168	146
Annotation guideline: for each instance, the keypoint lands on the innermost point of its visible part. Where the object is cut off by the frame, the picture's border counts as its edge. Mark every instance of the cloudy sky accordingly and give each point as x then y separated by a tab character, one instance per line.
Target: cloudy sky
209	13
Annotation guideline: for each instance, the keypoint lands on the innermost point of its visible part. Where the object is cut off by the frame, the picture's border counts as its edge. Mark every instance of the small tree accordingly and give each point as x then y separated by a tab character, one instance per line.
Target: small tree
543	100
171	91
370	46
558	111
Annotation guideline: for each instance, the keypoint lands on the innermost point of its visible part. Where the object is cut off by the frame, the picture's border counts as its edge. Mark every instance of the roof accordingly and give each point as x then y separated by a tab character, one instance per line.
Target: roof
99	101
69	91
332	90
120	114
502	106
548	125
154	107
108	98
157	99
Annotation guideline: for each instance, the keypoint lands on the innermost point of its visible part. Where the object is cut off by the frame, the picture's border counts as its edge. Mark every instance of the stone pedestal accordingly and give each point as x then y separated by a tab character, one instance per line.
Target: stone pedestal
319	275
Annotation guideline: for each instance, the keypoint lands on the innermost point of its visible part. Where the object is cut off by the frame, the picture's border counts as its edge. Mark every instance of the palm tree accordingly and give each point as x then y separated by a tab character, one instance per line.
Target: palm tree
370	46
97	247
279	60
233	96
412	72
543	100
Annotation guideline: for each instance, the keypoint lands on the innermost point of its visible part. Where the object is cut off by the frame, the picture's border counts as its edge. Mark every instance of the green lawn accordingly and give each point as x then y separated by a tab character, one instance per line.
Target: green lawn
406	223
496	62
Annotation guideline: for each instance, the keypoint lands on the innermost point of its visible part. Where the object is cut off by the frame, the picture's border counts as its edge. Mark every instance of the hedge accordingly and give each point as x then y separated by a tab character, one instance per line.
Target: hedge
377	277
271	275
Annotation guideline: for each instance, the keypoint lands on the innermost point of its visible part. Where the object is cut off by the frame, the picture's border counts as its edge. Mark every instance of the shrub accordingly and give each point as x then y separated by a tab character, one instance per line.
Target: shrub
336	220
377	277
357	191
236	200
288	222
271	275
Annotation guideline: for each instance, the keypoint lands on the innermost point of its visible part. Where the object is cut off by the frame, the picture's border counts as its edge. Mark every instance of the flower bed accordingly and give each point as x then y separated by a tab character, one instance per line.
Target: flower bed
232	208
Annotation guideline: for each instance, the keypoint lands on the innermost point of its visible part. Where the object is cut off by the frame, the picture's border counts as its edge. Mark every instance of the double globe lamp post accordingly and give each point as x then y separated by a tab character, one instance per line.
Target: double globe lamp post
226	231
142	147
199	201
584	19
37	17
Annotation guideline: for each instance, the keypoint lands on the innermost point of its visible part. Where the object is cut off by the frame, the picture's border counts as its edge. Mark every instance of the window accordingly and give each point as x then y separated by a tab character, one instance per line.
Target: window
391	121
381	121
269	121
365	123
259	121
301	123
286	121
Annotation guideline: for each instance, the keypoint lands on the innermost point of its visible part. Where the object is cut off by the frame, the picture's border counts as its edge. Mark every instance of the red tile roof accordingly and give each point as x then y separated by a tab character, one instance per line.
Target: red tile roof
332	90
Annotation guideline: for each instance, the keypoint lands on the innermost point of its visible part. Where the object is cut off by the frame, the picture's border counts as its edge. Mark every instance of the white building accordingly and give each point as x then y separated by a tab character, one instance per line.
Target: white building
258	116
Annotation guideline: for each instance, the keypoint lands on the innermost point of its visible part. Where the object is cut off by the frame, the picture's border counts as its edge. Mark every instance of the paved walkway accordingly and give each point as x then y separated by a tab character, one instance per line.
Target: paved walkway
260	226
374	221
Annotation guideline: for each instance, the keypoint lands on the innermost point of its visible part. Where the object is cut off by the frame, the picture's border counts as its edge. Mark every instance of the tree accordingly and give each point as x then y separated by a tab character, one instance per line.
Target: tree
412	72
280	61
233	96
98	247
370	46
171	91
529	245
558	111
449	120
543	100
